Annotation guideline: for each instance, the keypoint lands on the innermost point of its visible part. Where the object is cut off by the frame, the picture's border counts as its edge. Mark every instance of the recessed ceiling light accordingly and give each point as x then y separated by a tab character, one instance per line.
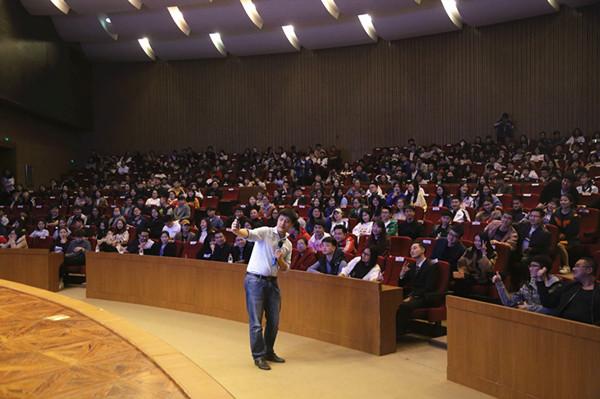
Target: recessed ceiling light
61	5
145	45
136	3
290	33
452	11
331	7
367	23
252	13
218	42
179	20
107	20
106	24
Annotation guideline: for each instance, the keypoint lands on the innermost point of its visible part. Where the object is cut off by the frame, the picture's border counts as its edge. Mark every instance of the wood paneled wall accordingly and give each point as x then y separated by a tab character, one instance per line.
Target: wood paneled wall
543	71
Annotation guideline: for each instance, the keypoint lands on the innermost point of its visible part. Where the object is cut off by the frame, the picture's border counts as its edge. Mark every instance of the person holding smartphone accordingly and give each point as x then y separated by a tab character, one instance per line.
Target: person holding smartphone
272	252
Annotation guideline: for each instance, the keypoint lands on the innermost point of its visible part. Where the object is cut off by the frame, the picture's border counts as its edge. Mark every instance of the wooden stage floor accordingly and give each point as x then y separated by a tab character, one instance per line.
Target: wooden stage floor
48	350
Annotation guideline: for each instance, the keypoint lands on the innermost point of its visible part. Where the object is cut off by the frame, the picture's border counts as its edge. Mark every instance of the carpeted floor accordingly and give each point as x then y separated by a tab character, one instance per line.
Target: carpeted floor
314	369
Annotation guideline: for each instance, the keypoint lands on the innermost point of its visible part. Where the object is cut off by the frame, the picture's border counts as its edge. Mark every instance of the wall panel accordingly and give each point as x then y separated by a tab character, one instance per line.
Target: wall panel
543	71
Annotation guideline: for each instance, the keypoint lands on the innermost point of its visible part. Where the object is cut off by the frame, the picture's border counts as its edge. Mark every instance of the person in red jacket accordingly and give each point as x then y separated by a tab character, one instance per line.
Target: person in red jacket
303	256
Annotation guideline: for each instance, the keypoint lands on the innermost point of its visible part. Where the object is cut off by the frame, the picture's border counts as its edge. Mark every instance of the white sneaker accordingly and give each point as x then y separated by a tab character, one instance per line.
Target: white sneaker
565	270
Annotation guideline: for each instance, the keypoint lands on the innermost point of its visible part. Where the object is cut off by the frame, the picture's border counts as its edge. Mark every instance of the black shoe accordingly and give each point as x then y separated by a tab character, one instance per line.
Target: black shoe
262	364
272	357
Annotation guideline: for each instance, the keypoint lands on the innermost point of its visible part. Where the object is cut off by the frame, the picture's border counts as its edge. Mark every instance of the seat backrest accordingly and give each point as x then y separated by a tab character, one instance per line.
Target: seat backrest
400	245
590	220
429	244
503	253
434	213
191	250
178	248
393	266
443	277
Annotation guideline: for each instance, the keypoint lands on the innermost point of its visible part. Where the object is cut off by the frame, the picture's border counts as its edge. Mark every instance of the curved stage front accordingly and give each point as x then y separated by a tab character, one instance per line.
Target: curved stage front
52	346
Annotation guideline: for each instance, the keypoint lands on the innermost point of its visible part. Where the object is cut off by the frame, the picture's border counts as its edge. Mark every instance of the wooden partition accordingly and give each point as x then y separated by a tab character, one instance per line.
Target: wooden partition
34	267
348	312
510	353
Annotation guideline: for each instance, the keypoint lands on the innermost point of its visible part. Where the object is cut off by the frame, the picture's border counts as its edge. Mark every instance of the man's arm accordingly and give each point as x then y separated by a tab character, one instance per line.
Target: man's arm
314	268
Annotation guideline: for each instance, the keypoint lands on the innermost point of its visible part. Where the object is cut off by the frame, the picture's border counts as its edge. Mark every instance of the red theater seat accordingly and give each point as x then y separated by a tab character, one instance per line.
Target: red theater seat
191	250
438	313
400	246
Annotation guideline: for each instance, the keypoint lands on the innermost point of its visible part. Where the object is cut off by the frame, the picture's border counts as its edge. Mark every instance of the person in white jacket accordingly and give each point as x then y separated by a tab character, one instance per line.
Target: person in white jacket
363	267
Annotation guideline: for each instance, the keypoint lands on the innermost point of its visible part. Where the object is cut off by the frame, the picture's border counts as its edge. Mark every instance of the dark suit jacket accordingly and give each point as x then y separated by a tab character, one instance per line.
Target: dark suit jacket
221	254
539	242
412	230
155	250
235	251
422	283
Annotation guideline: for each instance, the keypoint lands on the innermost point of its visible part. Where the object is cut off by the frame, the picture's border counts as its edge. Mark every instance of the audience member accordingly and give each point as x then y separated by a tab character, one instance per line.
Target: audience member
303	256
363	267
332	260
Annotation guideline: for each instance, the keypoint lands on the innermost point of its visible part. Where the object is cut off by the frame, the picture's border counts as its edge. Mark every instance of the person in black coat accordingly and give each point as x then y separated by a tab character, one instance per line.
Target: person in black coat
578	300
534	239
163	248
419	281
449	249
242	250
556	188
216	248
410	227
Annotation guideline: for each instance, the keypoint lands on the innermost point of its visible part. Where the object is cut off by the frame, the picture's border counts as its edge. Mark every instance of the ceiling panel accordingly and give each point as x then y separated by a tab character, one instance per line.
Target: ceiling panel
264	42
342	33
422	22
489	12
185	49
117	51
80	28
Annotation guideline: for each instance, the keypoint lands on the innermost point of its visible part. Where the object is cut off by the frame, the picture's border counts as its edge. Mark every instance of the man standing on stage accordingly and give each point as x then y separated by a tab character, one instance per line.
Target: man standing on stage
272	252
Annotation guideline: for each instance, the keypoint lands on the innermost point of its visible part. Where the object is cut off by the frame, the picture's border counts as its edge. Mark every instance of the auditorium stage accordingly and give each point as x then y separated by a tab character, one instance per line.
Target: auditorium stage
313	369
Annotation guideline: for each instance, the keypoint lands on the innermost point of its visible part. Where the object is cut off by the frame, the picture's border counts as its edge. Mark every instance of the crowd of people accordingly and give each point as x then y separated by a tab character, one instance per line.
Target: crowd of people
145	203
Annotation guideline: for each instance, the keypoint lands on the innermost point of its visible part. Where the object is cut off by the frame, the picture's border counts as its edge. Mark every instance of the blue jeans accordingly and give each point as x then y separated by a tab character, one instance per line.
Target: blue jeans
262	296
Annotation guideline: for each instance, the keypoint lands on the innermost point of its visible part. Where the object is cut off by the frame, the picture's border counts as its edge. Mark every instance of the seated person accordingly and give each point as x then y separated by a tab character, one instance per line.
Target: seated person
364	227
74	255
459	214
164	247
15	240
517	212
534	239
239	215
61	244
475	266
172	227
449	249
138	220
336	218
503	231
363	267
410	227
391	225
214	220
142	245
586	185
216	249
40	231
332	261
204	231
419	280
441	229
487	212
344	240
185	234
319	234
242	250
255	219
378	239
116	239
182	210
303	256
567	221
527	297
296	232
578	300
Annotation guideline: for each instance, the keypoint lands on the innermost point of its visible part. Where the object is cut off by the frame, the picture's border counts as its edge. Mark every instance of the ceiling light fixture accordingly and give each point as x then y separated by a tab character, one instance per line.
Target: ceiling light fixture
145	45
179	20
218	42
367	23
61	5
252	13
452	11
106	24
136	3
290	33
331	7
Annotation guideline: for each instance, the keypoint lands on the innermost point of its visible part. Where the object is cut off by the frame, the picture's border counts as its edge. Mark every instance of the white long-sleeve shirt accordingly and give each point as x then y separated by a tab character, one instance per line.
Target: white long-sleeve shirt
373	275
